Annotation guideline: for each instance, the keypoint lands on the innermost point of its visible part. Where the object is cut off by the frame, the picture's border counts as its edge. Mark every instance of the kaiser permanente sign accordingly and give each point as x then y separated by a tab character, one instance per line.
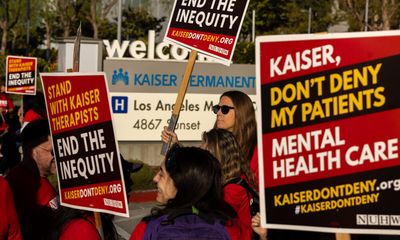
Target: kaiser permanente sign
143	89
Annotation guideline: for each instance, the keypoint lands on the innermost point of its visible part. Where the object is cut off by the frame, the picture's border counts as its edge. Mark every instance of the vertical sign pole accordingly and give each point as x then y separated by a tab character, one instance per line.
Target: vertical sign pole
99	225
179	99
75	68
77	50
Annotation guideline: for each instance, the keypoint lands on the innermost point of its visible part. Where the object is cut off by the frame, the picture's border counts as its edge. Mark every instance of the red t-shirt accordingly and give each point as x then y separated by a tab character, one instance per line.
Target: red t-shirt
9	225
237	197
34	198
138	232
31	116
254	168
5	102
80	229
46	194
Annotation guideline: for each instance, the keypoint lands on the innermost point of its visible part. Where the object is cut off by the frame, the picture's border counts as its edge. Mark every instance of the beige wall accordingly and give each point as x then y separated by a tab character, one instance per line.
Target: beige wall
147	152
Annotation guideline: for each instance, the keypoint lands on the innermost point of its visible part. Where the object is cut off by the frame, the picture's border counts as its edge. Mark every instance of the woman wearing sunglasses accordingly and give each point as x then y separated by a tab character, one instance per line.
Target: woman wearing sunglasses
235	113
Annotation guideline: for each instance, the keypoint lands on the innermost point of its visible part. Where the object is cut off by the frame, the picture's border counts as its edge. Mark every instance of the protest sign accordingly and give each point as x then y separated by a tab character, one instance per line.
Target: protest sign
210	27
21	75
329	131
87	156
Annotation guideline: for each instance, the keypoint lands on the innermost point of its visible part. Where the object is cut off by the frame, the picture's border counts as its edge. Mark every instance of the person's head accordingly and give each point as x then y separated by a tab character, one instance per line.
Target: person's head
35	103
13	122
189	176
37	146
222	144
236	114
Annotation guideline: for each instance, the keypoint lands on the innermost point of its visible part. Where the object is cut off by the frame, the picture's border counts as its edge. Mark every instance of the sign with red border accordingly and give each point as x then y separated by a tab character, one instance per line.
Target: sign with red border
21	75
210	27
329	130
86	151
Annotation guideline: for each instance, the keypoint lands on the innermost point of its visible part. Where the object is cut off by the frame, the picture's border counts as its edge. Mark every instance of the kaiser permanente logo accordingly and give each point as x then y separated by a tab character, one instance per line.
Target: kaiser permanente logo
378	220
120	76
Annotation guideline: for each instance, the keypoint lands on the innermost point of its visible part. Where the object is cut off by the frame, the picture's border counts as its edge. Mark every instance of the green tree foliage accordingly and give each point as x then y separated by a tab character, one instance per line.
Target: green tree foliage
54	19
136	22
18	42
282	17
95	11
382	14
108	30
297	16
68	13
288	17
10	12
244	52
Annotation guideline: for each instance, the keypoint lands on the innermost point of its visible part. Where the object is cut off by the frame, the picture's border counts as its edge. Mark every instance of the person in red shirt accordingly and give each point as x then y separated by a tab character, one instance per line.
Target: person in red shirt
189	178
6	107
34	196
72	223
223	145
9	225
6	103
34	108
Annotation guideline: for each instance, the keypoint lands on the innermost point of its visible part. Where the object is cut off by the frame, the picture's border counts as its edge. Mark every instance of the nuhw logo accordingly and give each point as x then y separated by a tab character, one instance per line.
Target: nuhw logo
378	220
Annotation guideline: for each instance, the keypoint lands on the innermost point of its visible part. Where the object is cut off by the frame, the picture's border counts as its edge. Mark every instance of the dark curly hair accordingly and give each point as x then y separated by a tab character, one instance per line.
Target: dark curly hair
196	174
223	145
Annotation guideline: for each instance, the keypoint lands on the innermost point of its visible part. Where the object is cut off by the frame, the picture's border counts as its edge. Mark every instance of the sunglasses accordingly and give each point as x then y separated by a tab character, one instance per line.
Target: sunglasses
47	150
224	109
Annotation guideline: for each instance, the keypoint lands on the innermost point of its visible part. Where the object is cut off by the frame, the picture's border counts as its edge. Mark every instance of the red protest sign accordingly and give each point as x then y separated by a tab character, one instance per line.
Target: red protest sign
210	27
329	131
21	75
87	156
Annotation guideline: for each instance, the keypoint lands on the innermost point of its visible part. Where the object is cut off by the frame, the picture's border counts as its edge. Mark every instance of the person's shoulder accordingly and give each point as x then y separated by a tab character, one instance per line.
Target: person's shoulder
235	195
16	173
234	230
139	231
80	229
19	174
31	115
4	186
3	183
234	188
46	194
5	192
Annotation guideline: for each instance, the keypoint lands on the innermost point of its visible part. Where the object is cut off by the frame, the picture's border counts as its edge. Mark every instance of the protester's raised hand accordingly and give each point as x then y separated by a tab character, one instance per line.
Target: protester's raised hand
166	134
256	225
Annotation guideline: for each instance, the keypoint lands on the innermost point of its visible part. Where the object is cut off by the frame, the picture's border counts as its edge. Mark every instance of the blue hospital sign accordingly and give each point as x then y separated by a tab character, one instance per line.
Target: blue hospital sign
119	104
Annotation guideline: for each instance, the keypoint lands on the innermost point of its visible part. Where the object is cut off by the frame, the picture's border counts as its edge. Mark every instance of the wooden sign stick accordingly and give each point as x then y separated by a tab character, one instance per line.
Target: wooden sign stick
179	99
343	236
75	68
77	50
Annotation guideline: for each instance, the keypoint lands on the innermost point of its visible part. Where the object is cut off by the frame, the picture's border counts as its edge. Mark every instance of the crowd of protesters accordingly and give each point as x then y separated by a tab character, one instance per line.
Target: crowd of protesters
197	193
